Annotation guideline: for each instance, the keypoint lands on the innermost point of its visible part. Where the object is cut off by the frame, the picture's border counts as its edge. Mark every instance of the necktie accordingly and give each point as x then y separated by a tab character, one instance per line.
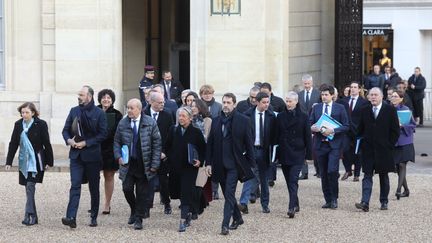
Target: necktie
307	100
375	112
134	139
326	109
155	116
261	129
351	105
183	130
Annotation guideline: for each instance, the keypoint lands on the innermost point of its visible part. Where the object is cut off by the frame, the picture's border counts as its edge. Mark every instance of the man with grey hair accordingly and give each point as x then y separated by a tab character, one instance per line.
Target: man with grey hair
306	99
141	135
249	102
293	128
379	128
170	105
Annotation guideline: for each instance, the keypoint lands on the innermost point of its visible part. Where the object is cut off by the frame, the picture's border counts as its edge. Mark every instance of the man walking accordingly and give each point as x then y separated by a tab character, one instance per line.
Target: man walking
379	128
84	130
230	157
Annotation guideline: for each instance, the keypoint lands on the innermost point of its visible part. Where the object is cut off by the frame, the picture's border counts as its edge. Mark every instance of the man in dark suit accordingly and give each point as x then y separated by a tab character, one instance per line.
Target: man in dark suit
379	128
249	102
416	87
328	150
230	156
355	103
172	88
84	130
263	130
170	106
294	138
164	122
306	99
146	81
141	133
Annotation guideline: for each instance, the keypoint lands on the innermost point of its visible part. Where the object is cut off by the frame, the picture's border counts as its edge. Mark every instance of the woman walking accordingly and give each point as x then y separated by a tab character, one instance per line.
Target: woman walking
30	134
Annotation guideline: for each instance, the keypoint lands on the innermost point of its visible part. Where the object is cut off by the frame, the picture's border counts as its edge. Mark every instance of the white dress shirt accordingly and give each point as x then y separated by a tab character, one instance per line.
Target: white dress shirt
257	127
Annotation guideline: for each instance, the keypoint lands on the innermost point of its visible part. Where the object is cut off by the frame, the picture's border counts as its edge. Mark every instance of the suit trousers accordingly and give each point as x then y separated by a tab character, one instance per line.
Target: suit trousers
367	184
262	174
328	160
229	186
291	174
349	159
137	201
418	109
79	168
30	207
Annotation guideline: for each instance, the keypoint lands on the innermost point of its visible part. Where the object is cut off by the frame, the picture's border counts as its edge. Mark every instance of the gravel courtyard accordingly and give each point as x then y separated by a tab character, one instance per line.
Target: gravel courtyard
407	220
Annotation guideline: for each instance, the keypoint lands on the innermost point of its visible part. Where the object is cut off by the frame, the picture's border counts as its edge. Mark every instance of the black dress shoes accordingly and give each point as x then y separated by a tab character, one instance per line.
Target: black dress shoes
297	209
271	183
333	205
131	219
303	177
326	205
26	220
384	206
71	222
266	210
252	200
291	213
138	223
93	222
224	231
363	206
182	226
235	224
146	213
346	175
243	208
356	178
167	209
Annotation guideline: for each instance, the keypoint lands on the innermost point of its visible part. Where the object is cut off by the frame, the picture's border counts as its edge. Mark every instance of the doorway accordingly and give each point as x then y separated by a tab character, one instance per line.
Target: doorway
155	32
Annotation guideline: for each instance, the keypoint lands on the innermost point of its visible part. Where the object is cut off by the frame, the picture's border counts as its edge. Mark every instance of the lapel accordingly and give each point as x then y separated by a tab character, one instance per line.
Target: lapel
253	122
302	97
319	110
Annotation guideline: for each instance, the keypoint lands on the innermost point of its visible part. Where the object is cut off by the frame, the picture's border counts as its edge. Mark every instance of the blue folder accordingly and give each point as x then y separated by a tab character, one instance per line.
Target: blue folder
326	121
404	116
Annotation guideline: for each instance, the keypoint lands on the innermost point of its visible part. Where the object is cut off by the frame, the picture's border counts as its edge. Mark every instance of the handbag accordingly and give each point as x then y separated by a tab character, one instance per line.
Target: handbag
202	177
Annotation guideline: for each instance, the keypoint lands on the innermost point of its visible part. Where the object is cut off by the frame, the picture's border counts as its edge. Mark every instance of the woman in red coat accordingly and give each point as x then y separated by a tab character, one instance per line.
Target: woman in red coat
30	134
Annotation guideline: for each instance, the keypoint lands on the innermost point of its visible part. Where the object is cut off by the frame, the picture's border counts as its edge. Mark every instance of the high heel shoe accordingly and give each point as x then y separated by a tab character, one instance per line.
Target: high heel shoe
107	212
405	193
398	195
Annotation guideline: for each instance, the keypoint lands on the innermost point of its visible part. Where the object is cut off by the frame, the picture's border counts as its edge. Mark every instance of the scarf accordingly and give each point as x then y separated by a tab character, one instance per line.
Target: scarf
26	158
86	125
210	103
226	123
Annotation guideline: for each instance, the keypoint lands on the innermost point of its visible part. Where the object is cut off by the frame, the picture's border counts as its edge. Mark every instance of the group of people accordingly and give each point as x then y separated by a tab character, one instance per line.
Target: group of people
172	137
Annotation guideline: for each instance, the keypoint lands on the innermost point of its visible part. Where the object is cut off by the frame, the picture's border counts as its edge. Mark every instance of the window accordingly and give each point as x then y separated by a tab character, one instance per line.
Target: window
2	35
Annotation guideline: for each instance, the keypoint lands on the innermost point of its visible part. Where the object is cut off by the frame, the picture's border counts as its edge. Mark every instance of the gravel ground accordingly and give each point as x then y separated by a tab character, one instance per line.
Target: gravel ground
407	220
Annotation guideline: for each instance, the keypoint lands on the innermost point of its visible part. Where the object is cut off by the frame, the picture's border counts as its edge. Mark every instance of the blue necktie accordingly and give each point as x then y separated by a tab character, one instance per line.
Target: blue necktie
134	139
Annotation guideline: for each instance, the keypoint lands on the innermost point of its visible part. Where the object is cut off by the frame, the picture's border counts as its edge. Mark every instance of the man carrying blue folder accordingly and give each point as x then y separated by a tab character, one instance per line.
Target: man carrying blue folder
328	142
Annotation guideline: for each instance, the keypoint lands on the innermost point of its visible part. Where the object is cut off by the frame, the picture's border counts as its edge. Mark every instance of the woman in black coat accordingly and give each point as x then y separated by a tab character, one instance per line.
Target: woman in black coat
183	173
294	140
106	98
30	134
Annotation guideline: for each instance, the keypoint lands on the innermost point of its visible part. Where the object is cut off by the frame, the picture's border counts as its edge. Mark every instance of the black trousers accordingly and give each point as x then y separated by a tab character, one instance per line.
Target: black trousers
137	201
229	186
291	174
418	109
164	182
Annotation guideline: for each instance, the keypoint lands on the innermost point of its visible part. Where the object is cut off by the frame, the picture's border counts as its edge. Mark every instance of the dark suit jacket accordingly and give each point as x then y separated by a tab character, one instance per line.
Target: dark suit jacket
175	91
420	84
379	138
354	115
337	112
269	131
242	148
294	137
244	105
374	80
92	150
277	103
39	138
164	122
314	97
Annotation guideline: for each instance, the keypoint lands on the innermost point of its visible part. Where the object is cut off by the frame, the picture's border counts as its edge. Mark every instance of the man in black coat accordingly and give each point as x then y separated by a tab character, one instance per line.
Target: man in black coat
379	128
416	87
294	138
84	130
375	79
355	103
249	102
306	99
263	123
164	122
230	156
172	88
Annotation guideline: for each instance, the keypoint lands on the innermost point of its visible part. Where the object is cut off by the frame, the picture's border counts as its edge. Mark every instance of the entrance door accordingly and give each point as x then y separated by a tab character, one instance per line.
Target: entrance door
377	47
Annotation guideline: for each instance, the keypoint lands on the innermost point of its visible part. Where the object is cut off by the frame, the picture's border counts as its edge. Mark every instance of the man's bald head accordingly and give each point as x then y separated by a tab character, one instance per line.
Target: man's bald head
134	108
